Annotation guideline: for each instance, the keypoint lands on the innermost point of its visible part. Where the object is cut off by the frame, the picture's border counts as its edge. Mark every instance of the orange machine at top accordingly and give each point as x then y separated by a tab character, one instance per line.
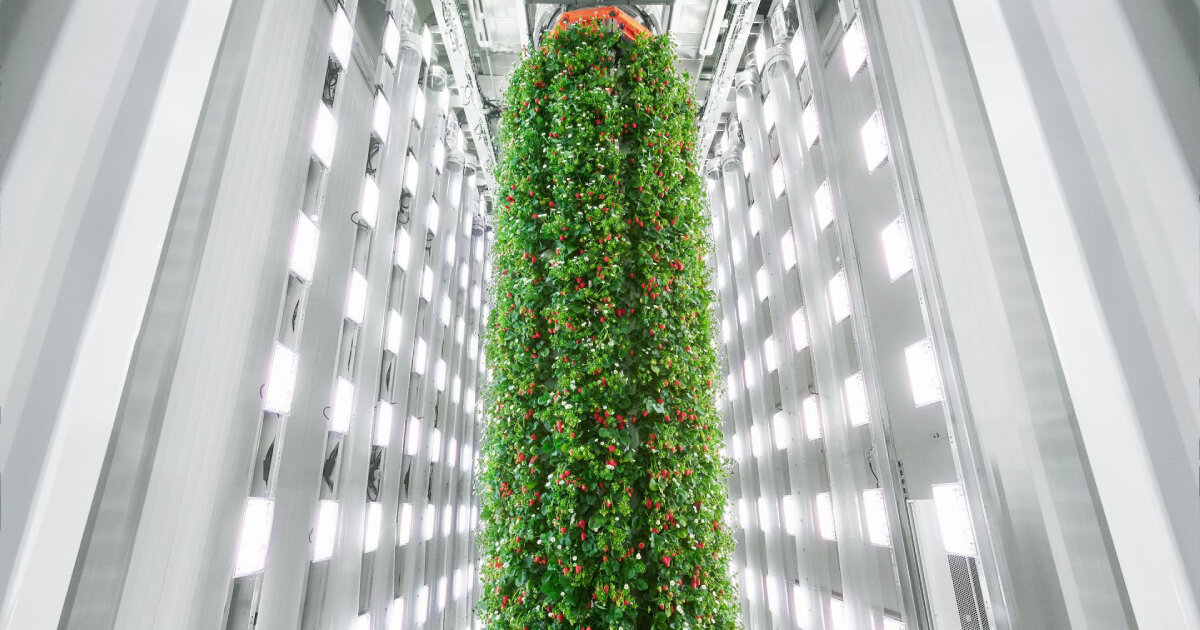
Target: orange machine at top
629	27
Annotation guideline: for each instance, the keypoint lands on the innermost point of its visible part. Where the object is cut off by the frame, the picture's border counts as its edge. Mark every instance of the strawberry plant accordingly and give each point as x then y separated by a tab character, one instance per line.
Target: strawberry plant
603	490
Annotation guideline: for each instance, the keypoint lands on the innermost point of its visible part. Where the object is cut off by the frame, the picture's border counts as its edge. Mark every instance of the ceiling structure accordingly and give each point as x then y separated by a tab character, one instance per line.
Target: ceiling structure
480	42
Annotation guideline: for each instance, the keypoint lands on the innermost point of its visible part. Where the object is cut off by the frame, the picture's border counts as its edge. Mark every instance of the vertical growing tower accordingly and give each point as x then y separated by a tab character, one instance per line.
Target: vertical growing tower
603	490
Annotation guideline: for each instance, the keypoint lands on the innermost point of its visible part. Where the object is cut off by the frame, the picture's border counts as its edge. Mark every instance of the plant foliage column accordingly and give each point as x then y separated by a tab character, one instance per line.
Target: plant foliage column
603	490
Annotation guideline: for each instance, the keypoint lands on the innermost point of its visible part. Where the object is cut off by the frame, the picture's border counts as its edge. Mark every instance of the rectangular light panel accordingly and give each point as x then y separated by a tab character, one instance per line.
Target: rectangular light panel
343	404
255	536
770	354
325	533
428	522
383	423
896	249
923	373
756	219
324	137
434	217
435	445
874	141
823	202
419	109
304	248
391	41
404	524
426	43
875	510
392	337
780	427
825	524
403	248
426	283
799	330
381	116
954	520
356	298
787	248
797	52
368	206
812	417
789	509
762	283
838	615
810	123
395	615
856	400
778	184
373	525
854	48
839	296
413	435
281	380
341	37
892	624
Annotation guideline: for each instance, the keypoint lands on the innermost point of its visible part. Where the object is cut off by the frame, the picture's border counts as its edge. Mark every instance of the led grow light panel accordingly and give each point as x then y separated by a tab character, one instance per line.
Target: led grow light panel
896	250
762	283
787	248
304	248
874	141
255	536
341	37
324	137
810	123
824	511
823	202
812	417
372	526
383	423
799	330
875	511
797	52
954	520
856	400
281	380
325	533
854	48
839	296
780	427
343	404
368	207
923	373
391	41
356	298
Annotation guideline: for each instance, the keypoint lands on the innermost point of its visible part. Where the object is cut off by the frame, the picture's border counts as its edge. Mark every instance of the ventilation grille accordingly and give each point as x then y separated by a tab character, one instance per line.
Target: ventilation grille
968	593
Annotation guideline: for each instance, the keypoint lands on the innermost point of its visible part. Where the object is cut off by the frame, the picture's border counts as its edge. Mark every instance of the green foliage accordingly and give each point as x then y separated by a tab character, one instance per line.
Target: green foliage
603	490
